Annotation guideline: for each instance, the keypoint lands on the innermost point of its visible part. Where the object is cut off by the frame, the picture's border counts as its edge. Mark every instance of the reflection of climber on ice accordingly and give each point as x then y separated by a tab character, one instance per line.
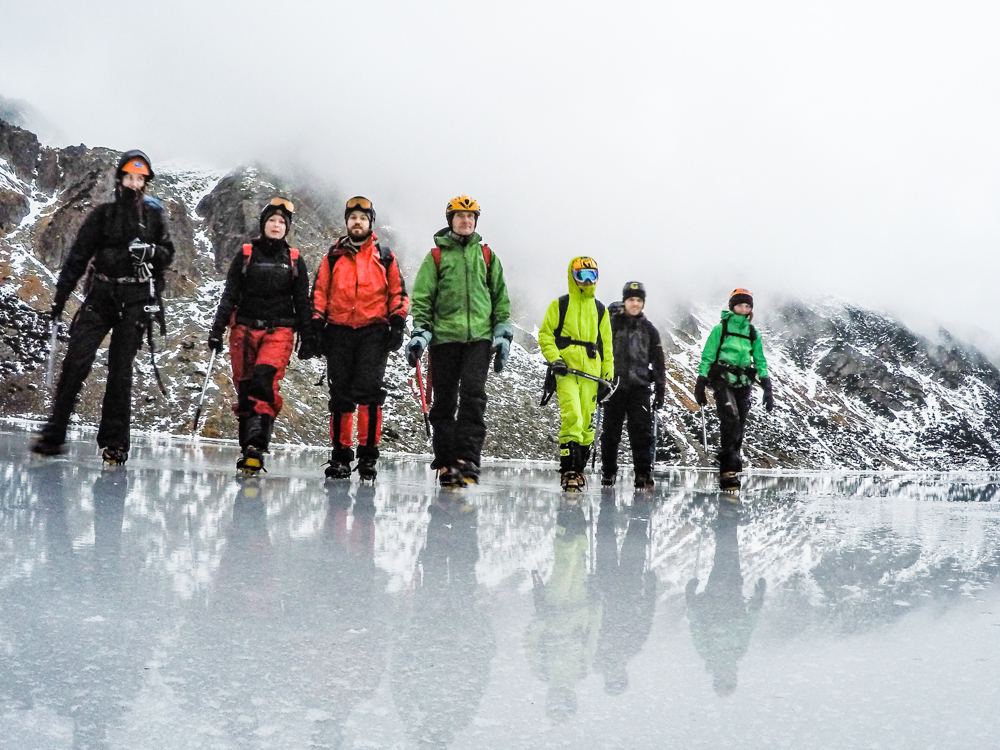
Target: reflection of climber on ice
562	638
722	621
628	590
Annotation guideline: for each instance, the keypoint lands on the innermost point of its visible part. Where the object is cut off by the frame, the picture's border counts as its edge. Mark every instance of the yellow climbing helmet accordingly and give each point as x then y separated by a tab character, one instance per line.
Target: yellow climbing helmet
461	203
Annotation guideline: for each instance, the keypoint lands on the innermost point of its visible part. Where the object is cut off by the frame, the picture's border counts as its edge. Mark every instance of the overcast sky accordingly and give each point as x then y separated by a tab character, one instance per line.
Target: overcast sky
845	148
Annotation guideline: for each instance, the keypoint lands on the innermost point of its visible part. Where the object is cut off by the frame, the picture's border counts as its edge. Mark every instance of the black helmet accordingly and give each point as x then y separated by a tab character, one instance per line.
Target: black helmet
136	162
360	203
281	206
634	289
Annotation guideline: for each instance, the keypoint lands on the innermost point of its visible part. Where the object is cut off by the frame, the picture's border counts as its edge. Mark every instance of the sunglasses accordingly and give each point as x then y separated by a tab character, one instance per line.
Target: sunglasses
585	276
363	203
289	206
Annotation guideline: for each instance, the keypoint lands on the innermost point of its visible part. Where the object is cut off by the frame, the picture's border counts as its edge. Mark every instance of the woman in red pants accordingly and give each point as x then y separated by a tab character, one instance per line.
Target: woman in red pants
265	300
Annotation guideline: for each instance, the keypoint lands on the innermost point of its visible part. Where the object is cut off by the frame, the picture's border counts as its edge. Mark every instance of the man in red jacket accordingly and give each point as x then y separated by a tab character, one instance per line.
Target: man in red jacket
359	308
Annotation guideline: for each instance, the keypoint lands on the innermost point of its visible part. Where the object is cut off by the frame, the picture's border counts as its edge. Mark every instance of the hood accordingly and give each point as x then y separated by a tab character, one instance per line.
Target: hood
736	323
444	240
576	290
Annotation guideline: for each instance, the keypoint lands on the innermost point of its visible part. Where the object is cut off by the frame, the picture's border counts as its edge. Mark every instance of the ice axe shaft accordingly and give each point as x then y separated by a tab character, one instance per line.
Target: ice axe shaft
423	400
204	388
50	371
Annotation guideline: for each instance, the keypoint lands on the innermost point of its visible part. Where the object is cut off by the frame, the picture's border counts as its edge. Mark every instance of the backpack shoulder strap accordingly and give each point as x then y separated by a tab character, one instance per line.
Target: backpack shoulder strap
563	307
601	310
247	252
385	256
436	255
293	255
753	334
722	337
487	259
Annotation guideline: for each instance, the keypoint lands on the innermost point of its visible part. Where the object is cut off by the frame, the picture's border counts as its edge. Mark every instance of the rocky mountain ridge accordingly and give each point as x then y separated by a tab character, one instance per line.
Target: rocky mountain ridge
854	388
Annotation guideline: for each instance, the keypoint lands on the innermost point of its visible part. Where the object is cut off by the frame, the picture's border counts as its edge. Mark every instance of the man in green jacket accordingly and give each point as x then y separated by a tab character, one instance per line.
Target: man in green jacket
576	335
732	359
461	311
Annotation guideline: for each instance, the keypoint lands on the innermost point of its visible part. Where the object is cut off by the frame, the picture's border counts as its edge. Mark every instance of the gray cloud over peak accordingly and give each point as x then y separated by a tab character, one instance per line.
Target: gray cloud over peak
808	149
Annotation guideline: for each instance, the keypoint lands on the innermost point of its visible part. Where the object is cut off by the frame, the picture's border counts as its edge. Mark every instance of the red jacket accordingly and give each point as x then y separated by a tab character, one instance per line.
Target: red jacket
360	290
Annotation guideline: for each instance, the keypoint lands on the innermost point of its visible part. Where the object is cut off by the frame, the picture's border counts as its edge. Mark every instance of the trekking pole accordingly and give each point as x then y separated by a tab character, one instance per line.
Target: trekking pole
201	400
421	395
53	347
704	434
656	438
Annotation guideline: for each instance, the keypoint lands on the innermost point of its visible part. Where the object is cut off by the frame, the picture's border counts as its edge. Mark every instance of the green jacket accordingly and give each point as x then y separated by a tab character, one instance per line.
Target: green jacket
737	349
460	301
580	324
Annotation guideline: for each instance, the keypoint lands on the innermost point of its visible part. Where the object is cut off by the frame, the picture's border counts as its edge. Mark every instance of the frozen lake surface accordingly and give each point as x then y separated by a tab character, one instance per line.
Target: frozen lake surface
168	605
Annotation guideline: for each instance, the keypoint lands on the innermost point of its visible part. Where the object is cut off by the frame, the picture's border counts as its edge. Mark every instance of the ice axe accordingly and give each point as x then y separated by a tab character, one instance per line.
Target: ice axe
204	388
421	395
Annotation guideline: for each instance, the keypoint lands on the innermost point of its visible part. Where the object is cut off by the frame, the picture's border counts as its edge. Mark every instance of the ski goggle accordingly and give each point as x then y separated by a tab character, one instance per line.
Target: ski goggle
285	203
585	275
359	203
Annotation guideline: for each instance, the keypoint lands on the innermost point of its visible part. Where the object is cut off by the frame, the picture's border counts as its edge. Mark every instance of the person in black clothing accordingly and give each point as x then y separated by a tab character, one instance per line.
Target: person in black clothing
639	365
265	300
126	247
628	590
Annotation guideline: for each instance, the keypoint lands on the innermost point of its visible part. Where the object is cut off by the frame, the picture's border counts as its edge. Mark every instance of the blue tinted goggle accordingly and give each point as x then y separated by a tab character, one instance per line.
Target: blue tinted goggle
585	276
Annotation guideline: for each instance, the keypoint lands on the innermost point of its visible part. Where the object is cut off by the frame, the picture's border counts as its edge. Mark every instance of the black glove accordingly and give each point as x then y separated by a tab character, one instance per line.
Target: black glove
659	396
765	383
699	391
57	307
307	344
559	367
395	342
215	342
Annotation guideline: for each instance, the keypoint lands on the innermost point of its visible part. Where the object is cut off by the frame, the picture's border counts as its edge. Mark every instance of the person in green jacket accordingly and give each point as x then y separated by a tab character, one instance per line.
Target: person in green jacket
576	335
732	359
461	311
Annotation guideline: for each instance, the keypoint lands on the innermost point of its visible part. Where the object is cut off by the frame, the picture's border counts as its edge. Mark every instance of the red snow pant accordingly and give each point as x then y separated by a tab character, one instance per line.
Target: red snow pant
259	357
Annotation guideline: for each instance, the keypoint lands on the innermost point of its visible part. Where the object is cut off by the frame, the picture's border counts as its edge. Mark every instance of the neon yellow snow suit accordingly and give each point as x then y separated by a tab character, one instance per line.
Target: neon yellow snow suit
578	396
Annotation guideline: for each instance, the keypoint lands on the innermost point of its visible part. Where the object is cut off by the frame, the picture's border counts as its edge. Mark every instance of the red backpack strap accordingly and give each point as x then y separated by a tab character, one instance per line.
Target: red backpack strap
247	250
436	254
487	255
293	253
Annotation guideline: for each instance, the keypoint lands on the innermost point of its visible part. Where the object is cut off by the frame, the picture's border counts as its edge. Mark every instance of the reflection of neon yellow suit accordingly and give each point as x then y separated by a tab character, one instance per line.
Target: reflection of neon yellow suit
562	639
578	396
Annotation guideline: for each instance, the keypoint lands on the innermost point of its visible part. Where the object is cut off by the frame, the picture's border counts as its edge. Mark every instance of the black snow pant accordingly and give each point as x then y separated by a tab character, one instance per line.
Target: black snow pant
732	405
458	383
355	365
102	311
633	404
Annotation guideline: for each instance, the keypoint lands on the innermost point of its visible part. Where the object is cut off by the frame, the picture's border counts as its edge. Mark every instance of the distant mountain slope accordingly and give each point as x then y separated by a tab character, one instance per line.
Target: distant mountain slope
854	388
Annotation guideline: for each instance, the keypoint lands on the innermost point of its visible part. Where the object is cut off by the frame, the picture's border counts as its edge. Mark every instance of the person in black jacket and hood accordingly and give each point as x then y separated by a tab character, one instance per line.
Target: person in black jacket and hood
265	300
127	246
639	364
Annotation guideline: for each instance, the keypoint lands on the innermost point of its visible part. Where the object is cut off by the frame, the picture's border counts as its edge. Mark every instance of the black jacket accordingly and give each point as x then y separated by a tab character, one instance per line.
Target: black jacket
638	351
105	237
265	293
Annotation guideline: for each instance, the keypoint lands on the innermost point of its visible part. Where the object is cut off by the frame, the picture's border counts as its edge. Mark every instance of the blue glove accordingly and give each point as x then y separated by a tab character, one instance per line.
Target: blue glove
503	334
418	342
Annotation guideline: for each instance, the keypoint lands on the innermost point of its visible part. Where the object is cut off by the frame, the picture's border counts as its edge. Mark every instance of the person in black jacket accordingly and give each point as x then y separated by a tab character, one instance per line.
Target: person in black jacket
265	300
638	364
126	246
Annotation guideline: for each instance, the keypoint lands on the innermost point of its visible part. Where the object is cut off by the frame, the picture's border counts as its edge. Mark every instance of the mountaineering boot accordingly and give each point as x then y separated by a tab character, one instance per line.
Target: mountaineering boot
251	462
449	476
44	446
608	480
114	456
366	469
469	472
729	481
339	465
573	481
644	481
